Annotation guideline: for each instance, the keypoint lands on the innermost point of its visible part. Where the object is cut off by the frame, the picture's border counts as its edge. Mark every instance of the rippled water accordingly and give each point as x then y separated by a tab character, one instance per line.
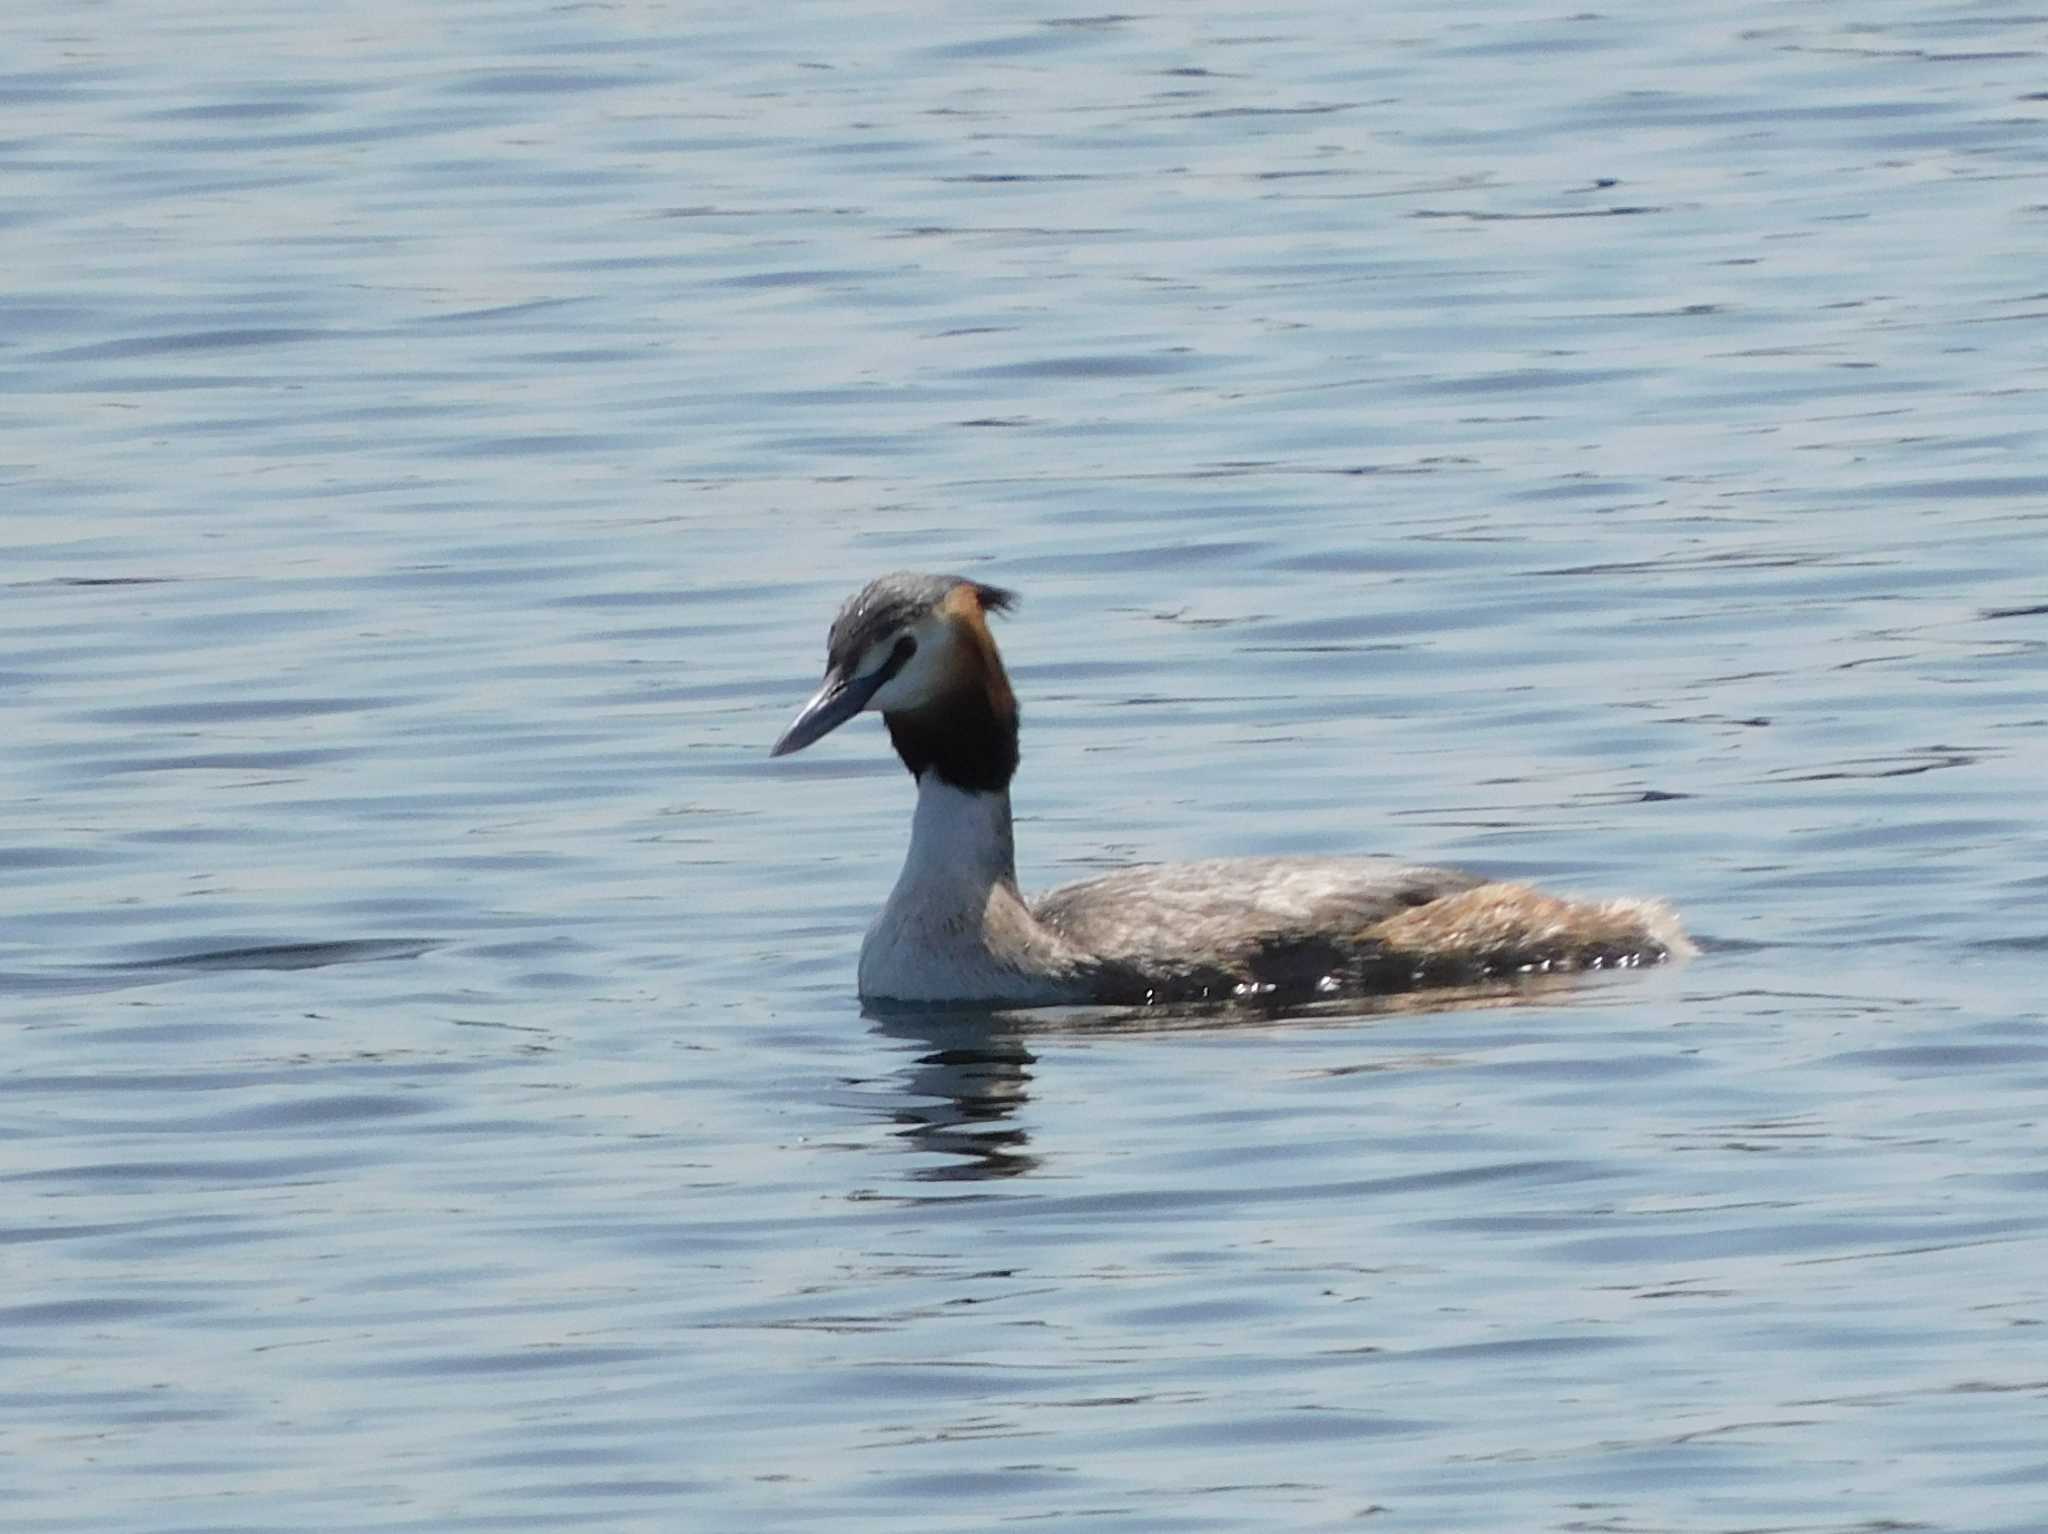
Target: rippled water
1600	448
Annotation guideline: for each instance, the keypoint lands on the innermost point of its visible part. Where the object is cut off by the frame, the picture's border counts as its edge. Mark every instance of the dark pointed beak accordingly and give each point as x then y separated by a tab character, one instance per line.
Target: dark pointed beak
837	700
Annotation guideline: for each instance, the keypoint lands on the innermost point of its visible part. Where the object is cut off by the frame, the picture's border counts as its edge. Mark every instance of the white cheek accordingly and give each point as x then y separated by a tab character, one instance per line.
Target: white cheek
921	678
907	688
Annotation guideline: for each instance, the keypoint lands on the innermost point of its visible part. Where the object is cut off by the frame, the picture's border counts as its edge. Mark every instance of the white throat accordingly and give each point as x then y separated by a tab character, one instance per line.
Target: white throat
934	939
960	844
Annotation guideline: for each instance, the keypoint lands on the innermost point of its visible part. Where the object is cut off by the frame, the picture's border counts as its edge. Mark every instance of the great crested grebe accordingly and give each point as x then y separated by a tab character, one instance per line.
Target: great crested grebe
917	649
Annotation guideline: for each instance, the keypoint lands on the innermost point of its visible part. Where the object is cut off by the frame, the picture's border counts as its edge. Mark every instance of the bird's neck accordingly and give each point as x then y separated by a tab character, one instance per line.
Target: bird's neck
960	840
955	928
963	753
968	739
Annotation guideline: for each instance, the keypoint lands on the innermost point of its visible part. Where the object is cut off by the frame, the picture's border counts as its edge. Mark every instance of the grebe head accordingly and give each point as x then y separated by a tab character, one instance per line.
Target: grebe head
917	649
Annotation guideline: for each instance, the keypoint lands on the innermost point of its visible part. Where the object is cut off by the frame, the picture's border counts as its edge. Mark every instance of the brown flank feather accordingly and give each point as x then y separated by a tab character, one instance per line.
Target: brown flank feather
1502	928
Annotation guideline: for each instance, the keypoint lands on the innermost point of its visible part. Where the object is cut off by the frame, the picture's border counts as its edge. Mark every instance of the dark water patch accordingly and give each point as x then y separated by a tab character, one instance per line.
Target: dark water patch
228	761
459	577
845	445
533	81
179	1084
139	383
236	710
1172	1203
535	445
709	692
100	580
1909	764
189	341
1920	1060
30	86
24	1235
285	955
489	1365
1583	488
2030	942
496	313
173	1172
1505	1349
1532	44
332	1111
1526	380
21	860
1794	1240
1133	365
185	836
620	1488
1313	109
871	398
1632	1067
1486	216
725	596
234	111
1993	487
1731	559
29	983
1689	111
1198	1312
797	279
1382	630
1307	1425
106	1310
1049	38
974	1486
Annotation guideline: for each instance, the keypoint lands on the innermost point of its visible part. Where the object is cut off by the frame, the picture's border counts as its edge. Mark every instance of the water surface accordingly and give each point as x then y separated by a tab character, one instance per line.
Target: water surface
1599	449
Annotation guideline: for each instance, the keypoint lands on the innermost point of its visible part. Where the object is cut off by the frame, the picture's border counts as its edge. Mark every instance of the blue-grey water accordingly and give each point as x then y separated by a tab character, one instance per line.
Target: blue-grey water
1605	448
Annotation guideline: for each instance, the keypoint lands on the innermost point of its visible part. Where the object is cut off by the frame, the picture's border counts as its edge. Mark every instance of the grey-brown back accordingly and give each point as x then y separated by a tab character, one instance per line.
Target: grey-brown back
1286	922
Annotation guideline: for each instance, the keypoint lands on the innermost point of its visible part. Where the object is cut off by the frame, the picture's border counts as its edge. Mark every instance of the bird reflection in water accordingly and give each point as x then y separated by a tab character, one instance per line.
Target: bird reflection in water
960	1099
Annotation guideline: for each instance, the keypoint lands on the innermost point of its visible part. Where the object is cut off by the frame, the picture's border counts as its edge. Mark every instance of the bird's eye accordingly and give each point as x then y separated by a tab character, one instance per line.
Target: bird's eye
899	655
